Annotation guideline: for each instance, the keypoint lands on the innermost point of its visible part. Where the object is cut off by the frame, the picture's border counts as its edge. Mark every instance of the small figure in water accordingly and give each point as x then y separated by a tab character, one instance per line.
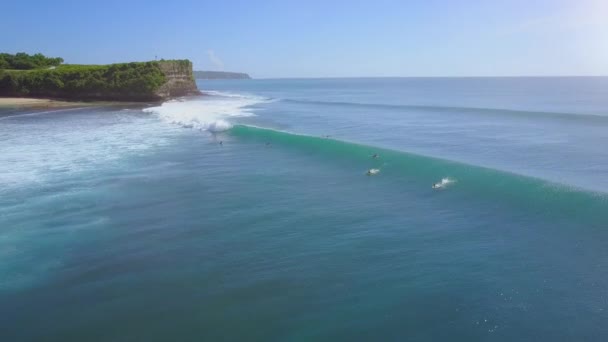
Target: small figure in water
445	182
372	172
375	156
267	144
221	143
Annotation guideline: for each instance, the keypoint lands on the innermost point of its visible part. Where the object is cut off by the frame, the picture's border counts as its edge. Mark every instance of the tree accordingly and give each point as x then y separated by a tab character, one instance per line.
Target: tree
23	61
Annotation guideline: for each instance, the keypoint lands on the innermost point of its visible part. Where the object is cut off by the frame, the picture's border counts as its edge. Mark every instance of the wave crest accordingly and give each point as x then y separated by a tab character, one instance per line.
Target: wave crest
211	113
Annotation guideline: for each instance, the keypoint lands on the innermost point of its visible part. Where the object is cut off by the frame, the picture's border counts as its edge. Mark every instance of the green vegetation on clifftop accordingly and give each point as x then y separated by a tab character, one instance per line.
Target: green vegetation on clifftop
23	61
116	81
138	81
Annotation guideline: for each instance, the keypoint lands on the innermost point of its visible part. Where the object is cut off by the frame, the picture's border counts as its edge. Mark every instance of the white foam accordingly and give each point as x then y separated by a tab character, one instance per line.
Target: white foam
209	113
35	149
445	182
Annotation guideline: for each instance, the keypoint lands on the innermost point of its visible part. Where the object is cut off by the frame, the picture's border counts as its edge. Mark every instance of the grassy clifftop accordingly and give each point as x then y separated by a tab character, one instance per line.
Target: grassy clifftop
140	81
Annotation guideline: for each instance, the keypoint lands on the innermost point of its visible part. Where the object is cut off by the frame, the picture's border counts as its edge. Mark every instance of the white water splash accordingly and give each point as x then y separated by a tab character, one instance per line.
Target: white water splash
211	113
444	183
38	147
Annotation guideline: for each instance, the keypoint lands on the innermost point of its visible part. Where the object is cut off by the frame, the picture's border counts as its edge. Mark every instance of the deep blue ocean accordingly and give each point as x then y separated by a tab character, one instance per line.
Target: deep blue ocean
247	214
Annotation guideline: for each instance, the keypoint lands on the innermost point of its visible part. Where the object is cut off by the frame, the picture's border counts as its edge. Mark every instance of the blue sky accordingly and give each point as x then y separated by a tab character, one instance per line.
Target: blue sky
322	38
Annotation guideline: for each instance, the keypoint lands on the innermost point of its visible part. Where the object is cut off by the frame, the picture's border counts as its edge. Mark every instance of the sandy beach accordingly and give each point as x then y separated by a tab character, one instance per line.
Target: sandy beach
33	103
19	102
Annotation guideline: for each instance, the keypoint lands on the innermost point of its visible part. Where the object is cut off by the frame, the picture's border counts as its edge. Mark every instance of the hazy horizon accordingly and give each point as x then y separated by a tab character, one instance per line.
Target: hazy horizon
474	76
319	40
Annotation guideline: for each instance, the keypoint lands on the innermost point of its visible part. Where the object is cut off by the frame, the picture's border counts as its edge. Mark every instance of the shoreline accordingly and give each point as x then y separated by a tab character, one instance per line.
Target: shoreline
38	103
45	103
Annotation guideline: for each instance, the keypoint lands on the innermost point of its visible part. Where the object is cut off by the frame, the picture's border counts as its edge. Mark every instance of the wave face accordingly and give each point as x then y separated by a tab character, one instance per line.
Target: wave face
522	126
208	113
482	183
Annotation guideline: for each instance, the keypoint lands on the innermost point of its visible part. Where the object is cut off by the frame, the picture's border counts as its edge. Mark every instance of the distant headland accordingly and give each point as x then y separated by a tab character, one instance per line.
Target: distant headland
38	76
220	75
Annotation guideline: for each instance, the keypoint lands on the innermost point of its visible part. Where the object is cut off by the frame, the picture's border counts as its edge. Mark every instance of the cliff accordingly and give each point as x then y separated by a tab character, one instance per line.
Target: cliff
179	79
141	81
220	75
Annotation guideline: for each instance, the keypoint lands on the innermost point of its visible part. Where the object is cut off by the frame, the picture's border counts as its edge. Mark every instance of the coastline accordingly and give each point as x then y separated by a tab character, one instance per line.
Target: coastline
42	103
21	102
125	82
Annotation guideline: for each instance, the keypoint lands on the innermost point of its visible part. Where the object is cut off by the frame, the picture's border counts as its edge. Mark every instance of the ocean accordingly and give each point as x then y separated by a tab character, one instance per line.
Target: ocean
248	214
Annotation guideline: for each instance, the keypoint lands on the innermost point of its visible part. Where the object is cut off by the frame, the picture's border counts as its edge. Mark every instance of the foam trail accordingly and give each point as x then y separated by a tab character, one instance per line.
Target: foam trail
208	113
443	183
70	144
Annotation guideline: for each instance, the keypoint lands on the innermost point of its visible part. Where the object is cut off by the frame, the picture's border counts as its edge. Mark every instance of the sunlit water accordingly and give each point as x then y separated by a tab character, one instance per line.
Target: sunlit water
247	214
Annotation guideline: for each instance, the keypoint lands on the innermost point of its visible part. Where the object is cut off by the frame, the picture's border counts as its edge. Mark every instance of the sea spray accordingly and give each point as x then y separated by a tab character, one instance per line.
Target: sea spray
211	113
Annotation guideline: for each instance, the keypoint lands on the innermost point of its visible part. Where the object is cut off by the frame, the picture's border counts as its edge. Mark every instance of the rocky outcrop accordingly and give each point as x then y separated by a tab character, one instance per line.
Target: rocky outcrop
135	81
179	79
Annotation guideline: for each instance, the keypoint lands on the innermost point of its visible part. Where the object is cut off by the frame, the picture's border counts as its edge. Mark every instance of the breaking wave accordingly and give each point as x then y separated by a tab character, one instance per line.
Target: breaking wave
211	112
480	182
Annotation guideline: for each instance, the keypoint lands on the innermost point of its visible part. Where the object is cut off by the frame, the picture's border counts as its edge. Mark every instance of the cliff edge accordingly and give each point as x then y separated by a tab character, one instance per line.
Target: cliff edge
137	81
179	79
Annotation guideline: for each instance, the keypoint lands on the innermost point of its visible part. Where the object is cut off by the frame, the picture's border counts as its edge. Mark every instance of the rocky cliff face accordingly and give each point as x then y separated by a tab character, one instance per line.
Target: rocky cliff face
179	80
135	81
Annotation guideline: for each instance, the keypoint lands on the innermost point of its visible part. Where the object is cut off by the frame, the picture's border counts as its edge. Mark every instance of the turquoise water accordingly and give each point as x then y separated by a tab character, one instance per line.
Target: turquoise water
136	224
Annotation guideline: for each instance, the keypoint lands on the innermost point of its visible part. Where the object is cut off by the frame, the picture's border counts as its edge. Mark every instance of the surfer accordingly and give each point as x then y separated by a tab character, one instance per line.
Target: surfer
372	172
444	183
221	143
375	156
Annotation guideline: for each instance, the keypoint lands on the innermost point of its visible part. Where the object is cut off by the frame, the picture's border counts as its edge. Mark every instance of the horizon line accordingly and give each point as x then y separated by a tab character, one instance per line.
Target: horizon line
504	76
